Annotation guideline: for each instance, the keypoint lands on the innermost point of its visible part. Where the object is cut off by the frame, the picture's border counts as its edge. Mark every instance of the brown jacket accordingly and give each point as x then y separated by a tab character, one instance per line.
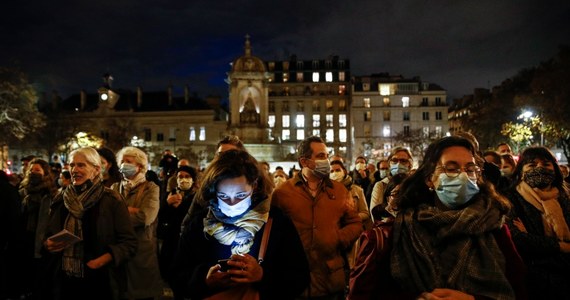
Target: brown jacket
328	225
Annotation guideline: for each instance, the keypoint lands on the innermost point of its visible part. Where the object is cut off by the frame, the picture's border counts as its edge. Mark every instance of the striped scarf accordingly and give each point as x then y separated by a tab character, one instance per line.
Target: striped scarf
238	231
78	202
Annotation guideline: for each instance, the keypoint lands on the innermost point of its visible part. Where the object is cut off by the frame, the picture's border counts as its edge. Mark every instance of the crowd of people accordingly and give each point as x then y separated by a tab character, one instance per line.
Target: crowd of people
457	223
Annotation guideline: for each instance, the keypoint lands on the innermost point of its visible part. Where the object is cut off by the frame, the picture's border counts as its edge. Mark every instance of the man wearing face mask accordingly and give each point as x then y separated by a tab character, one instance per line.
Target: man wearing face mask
400	161
540	221
171	213
360	175
325	217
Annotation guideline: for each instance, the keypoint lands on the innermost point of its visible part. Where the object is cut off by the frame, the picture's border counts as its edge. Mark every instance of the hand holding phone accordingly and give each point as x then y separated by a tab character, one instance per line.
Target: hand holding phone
224	264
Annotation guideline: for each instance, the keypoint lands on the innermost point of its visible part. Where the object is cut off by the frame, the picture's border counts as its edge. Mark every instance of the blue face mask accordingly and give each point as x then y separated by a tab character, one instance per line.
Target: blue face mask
128	170
398	169
455	192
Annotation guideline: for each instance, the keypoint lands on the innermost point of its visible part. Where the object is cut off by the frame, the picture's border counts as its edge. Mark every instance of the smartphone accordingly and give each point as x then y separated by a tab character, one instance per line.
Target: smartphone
224	264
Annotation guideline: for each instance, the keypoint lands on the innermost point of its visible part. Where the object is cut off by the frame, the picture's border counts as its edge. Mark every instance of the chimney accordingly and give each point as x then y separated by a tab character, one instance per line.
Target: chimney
82	100
139	96
169	90
186	94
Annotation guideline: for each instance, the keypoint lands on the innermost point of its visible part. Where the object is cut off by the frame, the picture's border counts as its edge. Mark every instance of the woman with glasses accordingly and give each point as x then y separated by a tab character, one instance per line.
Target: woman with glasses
219	249
448	237
540	222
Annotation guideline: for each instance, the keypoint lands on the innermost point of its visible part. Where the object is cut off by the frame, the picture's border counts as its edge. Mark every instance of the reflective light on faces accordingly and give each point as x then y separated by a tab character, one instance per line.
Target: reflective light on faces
233	190
81	170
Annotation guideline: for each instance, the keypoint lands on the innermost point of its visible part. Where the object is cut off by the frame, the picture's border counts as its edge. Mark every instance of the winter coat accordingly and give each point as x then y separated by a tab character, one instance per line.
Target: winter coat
548	274
106	228
285	267
328	225
142	271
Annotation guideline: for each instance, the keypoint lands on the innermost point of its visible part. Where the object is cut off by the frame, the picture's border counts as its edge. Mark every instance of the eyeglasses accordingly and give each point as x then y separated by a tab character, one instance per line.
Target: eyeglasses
453	170
399	160
238	196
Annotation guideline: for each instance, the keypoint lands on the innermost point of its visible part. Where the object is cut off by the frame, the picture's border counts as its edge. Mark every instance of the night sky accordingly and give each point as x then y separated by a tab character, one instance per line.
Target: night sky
460	45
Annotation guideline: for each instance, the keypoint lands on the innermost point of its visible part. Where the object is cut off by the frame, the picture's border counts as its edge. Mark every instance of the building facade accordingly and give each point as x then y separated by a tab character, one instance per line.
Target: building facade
389	111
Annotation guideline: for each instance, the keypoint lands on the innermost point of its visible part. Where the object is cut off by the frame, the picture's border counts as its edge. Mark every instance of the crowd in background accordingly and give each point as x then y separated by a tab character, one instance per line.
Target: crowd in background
456	224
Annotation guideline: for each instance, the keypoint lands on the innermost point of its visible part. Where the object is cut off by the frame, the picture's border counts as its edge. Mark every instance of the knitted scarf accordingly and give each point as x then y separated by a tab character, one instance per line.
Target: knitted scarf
238	231
546	201
77	202
452	249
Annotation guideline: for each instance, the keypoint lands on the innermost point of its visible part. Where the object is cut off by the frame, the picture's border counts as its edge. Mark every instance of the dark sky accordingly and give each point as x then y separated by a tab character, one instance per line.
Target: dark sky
460	45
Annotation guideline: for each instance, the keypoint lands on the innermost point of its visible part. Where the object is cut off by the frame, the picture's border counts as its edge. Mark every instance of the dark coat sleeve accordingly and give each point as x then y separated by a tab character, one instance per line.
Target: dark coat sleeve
125	242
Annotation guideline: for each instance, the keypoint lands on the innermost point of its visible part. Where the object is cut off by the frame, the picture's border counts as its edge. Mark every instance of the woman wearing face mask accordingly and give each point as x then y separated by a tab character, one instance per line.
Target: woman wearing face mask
172	212
540	222
400	161
449	235
142	200
109	167
230	225
339	173
37	190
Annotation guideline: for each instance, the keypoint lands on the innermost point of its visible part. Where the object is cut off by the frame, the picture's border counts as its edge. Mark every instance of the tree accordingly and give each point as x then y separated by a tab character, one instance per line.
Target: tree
416	140
19	114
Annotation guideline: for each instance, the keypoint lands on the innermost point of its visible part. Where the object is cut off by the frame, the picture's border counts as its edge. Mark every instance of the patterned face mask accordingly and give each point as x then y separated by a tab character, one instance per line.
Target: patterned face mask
539	177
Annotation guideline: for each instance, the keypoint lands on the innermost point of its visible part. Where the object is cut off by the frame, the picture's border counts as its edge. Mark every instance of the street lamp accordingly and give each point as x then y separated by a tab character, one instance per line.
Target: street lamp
526	115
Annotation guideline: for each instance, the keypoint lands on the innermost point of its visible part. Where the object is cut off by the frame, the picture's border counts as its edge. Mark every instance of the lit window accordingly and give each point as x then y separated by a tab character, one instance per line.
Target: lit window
367	102
405	101
386	101
425	131
367	130
285	121
328	77
316	132
342	120
341	89
202	136
329	104
386	131
300	134
316	121
342	135
341	76
329	136
192	135
286	134
315	76
367	116
329	120
438	131
299	76
384	89
271	121
341	105
386	115
300	121
285	77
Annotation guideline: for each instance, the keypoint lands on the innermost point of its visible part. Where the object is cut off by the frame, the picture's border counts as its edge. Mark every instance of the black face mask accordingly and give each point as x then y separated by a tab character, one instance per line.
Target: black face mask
539	177
35	178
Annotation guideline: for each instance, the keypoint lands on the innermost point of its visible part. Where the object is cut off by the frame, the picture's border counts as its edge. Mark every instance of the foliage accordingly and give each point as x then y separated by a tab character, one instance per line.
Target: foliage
415	140
19	114
520	135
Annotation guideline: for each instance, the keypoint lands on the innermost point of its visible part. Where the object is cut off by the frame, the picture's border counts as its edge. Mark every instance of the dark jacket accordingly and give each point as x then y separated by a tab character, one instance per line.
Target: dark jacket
285	267
548	268
106	228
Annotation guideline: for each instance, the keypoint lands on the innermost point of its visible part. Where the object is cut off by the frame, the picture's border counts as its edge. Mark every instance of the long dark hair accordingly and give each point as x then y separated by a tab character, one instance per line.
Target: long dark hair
414	189
529	155
232	164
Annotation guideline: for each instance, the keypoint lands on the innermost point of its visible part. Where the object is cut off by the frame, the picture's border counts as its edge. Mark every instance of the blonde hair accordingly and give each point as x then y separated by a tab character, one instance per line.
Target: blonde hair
139	156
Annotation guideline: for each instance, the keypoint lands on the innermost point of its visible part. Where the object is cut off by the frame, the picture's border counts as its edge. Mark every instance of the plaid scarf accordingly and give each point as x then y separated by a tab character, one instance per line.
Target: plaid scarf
452	249
238	231
77	202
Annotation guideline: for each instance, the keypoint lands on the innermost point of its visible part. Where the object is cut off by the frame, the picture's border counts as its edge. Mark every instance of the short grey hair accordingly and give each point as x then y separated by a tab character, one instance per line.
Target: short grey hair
91	155
139	155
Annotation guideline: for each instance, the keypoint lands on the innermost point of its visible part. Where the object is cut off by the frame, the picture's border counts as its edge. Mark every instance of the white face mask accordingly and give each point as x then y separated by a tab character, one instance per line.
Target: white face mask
337	176
360	166
236	209
184	183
